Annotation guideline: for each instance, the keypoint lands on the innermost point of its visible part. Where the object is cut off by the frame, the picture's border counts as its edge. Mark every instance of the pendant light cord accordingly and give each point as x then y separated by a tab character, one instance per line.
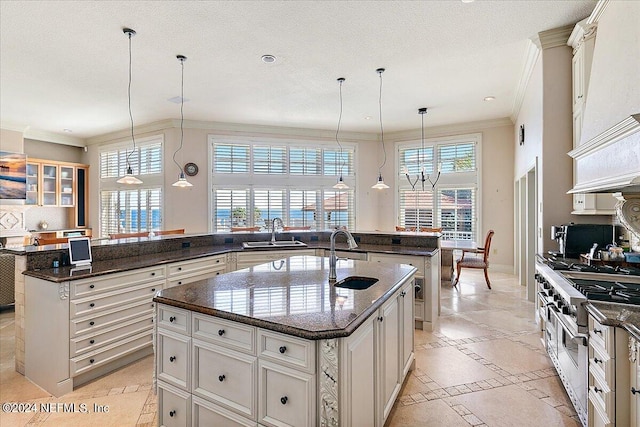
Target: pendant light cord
130	34
384	150
340	80
181	59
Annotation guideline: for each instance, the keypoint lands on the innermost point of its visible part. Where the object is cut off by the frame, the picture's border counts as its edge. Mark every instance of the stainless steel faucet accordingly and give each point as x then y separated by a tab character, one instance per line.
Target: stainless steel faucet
273	228
333	259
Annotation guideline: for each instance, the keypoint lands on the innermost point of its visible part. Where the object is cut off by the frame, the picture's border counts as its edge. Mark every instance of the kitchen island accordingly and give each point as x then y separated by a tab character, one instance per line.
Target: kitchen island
277	344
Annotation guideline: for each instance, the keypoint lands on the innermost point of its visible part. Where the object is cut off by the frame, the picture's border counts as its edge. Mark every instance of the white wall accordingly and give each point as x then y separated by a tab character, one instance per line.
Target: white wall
11	140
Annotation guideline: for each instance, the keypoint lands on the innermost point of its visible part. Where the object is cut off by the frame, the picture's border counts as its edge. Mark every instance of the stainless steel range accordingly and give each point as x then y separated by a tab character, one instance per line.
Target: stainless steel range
563	290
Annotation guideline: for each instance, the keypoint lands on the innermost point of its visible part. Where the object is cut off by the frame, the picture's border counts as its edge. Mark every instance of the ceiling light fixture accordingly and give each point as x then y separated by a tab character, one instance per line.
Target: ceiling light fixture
380	185
182	180
129	178
489	98
340	185
67	130
421	176
268	59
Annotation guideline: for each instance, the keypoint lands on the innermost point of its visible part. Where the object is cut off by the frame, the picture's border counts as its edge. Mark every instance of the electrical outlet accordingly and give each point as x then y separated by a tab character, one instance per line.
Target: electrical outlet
495	251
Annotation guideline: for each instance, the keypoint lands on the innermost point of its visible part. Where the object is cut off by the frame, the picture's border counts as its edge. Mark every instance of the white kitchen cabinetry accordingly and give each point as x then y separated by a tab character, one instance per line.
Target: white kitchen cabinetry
250	259
608	375
594	204
183	272
634	389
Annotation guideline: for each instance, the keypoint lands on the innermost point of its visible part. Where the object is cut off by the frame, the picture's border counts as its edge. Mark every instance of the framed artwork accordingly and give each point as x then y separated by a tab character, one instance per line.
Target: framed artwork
13	176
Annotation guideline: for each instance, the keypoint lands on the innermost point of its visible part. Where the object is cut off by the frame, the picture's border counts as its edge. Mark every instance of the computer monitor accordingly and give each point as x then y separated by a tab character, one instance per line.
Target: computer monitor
80	251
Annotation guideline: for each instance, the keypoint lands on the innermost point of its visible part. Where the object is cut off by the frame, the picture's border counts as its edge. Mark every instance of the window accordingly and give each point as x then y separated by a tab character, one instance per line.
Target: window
291	180
454	203
126	209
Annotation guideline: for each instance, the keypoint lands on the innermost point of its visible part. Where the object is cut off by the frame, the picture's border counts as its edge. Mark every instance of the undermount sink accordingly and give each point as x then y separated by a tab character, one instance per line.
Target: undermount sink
356	282
276	244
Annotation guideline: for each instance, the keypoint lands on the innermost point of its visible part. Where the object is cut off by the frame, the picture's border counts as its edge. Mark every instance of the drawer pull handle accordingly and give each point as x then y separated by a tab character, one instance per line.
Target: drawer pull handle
283	400
282	349
172	319
221	378
172	414
634	390
92	323
92	342
172	359
221	332
92	286
91	360
597	331
380	319
597	390
92	305
596	360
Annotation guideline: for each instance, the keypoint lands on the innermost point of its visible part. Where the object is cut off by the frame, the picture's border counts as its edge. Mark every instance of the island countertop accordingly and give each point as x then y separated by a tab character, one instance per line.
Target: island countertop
292	297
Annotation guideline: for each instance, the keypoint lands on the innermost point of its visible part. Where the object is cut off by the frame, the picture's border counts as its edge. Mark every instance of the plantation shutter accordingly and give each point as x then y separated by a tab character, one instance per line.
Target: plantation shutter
416	208
268	204
457	213
231	208
459	157
231	158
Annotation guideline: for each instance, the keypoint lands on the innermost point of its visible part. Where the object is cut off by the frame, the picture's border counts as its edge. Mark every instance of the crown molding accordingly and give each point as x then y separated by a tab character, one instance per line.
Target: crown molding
531	58
439	131
597	12
52	137
615	133
555	37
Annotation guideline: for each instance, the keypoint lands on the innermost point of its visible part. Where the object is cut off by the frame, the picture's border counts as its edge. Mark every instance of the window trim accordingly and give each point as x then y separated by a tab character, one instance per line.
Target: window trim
451	180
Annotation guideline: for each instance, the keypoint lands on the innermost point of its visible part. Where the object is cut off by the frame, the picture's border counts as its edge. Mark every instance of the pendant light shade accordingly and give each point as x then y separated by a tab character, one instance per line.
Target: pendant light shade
380	185
129	178
182	180
340	185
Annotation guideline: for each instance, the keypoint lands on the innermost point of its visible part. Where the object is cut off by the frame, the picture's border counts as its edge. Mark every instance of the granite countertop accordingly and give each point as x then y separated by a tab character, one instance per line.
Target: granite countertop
625	316
99	268
293	297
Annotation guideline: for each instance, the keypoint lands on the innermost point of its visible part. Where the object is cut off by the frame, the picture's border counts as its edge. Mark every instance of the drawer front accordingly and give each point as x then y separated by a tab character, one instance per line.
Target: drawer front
601	335
602	397
602	366
287	397
84	363
415	261
293	352
204	413
174	319
85	287
194	277
174	406
104	337
225	333
109	300
108	319
173	354
192	266
225	377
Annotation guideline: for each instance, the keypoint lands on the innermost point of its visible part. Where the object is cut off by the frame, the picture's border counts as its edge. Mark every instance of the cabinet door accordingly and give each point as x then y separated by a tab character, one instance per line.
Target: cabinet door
577	66
49	185
635	388
33	184
406	327
389	352
67	186
174	406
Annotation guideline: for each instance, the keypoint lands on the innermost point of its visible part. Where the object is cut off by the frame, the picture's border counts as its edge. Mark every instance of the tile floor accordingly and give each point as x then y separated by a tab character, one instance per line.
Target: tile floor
482	366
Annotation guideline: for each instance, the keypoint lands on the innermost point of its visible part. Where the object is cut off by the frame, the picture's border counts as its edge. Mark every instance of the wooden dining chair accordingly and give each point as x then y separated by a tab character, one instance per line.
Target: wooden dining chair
128	235
166	232
471	259
289	228
431	230
234	229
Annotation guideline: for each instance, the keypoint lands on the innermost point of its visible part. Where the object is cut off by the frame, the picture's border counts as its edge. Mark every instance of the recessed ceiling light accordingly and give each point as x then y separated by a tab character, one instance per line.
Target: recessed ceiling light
177	100
367	117
268	59
489	98
468	1
67	130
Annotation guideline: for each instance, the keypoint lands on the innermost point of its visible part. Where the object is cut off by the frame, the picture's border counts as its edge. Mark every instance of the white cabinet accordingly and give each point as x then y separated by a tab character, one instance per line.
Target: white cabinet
249	259
594	204
634	380
174	406
608	375
183	272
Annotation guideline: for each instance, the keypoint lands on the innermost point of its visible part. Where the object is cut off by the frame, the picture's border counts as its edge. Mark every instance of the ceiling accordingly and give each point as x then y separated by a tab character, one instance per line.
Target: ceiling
64	64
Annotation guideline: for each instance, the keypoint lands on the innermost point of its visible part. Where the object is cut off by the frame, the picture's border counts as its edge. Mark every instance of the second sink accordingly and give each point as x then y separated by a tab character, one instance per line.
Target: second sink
276	244
356	282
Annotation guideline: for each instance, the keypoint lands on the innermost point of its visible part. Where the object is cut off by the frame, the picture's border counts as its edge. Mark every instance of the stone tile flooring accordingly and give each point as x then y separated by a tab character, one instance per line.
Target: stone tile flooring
483	365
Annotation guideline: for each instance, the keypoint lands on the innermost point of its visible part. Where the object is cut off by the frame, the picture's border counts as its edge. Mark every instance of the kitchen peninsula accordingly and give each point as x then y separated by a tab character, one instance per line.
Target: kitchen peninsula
279	344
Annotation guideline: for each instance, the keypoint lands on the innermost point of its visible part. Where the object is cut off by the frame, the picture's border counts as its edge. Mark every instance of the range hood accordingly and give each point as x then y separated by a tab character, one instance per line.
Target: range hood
610	162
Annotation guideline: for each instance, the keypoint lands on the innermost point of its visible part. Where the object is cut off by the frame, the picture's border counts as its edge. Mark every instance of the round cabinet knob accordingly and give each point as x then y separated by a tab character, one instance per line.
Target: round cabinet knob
92	286
172	414
596	360
172	319
172	359
179	268
221	378
283	400
221	332
92	323
282	349
179	283
92	305
91	360
153	289
634	390
92	342
153	274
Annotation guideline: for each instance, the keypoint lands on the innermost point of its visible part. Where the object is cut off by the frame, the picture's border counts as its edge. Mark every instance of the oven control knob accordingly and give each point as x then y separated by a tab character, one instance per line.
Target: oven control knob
556	297
546	285
566	310
560	304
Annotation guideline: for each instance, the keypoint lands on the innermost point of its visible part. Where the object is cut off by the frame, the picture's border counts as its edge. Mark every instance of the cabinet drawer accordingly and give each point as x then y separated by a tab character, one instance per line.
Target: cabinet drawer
85	287
110	318
111	335
415	261
602	397
174	406
285	349
172	358
601	335
174	319
192	266
81	364
228	334
109	300
205	413
286	396
602	366
225	377
194	277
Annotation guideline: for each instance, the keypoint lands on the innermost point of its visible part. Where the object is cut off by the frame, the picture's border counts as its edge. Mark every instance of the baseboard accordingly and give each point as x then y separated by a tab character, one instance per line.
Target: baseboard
501	268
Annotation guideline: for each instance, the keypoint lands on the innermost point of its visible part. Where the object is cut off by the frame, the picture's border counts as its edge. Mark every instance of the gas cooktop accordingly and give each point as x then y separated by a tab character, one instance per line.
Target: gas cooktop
621	292
555	264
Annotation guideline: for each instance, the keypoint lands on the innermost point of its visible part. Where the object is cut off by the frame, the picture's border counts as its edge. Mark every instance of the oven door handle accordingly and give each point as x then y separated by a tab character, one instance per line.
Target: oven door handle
577	338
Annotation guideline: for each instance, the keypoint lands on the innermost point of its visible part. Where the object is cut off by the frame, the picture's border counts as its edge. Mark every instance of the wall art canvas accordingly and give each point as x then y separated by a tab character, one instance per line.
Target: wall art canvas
13	176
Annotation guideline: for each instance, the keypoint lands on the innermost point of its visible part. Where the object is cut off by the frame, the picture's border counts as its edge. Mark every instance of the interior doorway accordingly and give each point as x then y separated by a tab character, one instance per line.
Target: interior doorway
526	242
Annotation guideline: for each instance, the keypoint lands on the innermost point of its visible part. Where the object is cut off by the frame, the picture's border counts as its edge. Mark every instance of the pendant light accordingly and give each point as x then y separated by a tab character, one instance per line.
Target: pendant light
182	180
380	185
340	185
129	178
